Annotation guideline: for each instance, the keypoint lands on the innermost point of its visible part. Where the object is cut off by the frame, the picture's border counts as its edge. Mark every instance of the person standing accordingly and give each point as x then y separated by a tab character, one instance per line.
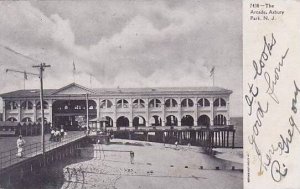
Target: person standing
87	130
131	157
52	138
176	143
57	134
62	132
20	146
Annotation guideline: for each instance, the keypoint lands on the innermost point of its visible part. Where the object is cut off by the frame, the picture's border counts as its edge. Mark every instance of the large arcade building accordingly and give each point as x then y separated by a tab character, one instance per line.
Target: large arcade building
121	107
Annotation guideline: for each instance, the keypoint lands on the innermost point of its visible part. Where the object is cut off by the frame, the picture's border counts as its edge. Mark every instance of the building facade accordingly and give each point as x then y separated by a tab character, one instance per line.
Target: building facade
121	107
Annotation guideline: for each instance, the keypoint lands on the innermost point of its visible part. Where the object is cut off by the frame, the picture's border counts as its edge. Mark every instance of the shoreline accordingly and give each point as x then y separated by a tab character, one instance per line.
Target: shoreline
155	166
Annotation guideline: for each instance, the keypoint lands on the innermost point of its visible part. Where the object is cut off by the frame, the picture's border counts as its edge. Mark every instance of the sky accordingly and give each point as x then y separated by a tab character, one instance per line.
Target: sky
128	43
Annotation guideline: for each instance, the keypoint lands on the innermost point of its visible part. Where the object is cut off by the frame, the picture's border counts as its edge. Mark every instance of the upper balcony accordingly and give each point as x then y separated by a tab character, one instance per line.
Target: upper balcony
11	107
187	104
155	105
220	105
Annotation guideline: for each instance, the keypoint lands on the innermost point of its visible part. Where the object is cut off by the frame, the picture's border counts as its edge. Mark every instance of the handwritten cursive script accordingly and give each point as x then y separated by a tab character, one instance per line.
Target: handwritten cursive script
272	83
258	109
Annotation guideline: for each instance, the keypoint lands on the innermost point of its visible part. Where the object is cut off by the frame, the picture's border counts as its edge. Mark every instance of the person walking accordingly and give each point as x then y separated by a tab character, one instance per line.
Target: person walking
20	146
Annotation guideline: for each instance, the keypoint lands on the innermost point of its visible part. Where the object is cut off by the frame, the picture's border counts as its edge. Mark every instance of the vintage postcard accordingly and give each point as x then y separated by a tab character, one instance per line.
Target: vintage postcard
149	94
271	35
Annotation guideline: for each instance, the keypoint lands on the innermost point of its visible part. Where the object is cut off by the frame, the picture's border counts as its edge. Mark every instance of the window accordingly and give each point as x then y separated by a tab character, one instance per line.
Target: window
203	102
155	103
171	103
106	104
11	105
219	102
138	103
187	102
122	103
45	105
27	105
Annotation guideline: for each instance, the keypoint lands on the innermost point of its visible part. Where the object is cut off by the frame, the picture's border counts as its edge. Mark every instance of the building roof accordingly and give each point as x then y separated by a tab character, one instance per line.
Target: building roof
33	93
26	93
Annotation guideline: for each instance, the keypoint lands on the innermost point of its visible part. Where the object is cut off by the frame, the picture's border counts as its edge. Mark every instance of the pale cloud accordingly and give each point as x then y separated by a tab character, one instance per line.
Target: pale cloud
62	32
125	43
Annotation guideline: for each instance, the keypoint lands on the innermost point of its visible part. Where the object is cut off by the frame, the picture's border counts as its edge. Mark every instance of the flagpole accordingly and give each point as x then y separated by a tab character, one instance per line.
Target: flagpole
25	77
212	74
74	70
91	81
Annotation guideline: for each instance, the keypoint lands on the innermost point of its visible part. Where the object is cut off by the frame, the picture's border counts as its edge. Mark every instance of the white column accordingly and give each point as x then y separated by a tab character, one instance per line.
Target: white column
34	111
179	112
4	111
115	112
50	111
163	112
147	111
195	111
19	110
212	114
228	111
130	113
98	108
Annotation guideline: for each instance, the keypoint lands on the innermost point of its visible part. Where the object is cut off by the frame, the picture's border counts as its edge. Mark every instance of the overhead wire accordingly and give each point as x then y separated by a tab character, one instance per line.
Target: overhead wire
20	54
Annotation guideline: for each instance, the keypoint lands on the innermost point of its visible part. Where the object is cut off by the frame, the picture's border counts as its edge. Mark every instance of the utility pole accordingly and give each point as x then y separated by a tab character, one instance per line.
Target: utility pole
23	72
42	67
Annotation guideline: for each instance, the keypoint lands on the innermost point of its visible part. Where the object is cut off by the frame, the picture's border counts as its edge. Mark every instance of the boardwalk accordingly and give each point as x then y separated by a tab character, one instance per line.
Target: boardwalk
8	158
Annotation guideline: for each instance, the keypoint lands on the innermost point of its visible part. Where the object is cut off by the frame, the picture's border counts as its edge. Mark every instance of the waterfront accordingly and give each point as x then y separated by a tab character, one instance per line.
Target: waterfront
155	166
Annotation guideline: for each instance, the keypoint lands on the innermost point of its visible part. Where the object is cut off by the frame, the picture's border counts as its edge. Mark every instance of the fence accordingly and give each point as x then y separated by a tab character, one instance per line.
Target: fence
9	158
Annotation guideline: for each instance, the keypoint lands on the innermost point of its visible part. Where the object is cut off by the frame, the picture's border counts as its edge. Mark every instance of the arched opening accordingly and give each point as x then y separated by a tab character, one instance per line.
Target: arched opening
171	102
45	105
155	121
220	120
138	121
219	102
122	122
155	103
122	103
187	102
104	104
203	120
187	121
72	113
27	105
171	120
12	119
11	105
109	121
26	119
203	102
138	103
